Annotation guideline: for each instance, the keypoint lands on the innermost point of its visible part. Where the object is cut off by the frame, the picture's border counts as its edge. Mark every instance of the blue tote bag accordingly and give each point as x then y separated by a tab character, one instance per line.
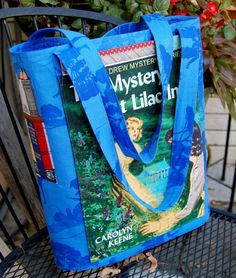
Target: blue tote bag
117	132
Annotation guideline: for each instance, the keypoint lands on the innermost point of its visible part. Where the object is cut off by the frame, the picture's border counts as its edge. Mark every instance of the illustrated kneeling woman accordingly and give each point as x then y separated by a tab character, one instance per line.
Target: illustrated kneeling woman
167	220
134	126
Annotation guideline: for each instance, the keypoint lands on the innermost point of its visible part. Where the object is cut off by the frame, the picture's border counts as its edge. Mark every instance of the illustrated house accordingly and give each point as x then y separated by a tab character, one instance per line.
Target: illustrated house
157	171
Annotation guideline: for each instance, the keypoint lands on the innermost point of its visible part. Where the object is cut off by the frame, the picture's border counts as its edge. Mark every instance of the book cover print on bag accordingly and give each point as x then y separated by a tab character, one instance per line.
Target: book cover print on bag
118	220
111	213
39	145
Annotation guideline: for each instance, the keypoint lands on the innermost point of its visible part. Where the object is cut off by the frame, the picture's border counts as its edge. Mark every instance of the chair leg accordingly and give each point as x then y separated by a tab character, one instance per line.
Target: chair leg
226	148
233	191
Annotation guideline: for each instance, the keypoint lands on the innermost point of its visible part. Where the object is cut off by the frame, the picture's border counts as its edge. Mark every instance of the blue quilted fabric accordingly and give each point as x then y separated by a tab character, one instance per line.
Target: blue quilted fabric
40	57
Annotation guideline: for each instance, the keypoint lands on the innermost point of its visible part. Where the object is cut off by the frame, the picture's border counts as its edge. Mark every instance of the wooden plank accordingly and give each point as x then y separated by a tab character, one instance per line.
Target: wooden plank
4	248
17	267
11	143
3	181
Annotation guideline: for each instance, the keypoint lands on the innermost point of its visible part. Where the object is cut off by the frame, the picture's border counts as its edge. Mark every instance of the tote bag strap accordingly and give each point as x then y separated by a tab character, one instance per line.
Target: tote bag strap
131	27
109	97
78	69
189	85
188	91
79	61
113	108
119	127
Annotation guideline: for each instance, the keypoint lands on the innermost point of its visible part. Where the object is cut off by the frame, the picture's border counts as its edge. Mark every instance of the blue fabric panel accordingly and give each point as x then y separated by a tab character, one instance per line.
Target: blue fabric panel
61	202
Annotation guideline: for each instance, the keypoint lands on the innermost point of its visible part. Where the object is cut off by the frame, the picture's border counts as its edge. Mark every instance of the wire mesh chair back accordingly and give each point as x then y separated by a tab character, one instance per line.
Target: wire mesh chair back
38	17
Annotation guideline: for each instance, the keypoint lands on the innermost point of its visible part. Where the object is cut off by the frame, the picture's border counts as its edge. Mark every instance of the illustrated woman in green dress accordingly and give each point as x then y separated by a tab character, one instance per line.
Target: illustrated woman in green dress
134	126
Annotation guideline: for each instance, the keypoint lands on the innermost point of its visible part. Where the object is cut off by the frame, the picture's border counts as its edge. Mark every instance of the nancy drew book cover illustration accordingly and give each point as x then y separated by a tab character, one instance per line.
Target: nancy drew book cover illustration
114	219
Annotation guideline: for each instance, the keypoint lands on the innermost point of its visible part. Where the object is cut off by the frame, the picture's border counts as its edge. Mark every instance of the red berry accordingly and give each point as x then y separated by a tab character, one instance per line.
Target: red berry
173	2
219	23
212	8
184	12
205	16
181	12
177	12
203	45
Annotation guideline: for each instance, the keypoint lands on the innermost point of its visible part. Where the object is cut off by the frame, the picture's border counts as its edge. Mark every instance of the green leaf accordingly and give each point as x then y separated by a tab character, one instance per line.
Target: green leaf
98	30
225	4
218	89
133	7
96	5
222	87
129	2
234	23
65	5
161	6
229	33
27	3
51	2
201	3
231	103
228	54
228	81
105	3
143	1
137	15
114	10
233	92
181	6
77	24
146	9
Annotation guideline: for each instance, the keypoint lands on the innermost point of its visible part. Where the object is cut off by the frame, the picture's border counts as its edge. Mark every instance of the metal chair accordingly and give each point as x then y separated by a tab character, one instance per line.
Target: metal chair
13	144
209	251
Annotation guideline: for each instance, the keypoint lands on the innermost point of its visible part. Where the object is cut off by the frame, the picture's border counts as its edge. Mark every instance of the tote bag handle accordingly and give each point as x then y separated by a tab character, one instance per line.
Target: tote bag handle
82	75
109	97
189	32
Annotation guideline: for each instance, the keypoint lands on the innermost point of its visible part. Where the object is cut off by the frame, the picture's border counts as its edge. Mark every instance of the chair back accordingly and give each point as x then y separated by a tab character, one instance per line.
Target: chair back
20	205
